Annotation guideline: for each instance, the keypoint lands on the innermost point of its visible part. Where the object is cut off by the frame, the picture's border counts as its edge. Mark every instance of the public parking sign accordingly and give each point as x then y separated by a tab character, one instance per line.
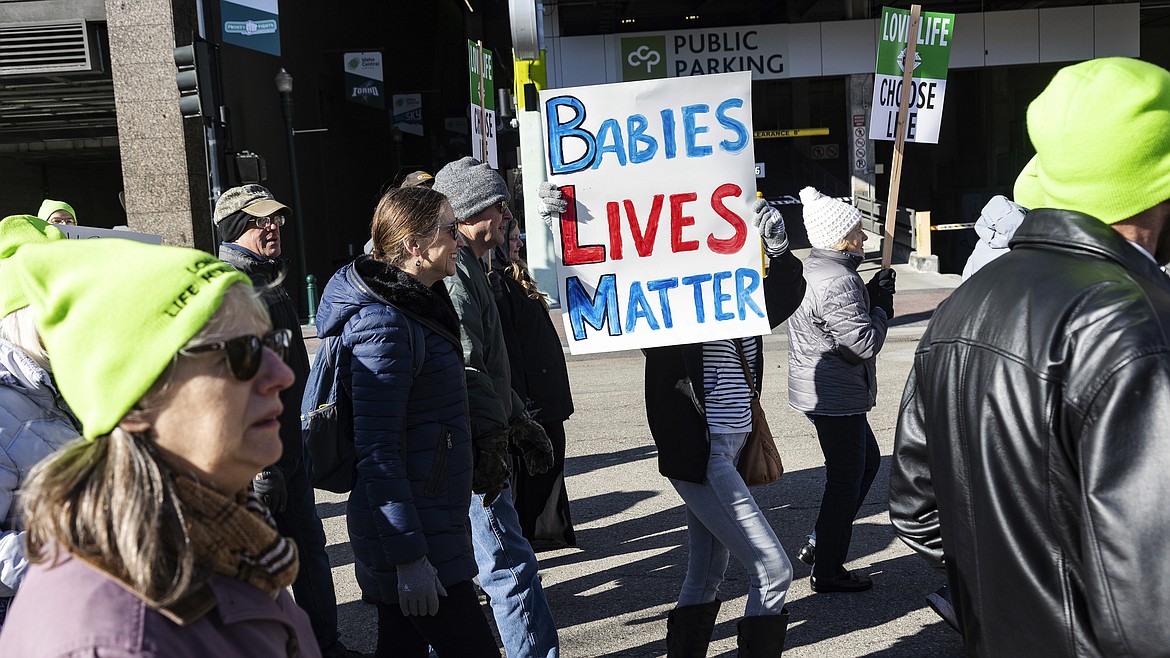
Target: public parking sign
929	86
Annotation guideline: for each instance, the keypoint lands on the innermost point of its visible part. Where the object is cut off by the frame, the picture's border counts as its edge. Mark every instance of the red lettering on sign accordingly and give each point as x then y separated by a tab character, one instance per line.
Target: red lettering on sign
734	243
678	222
576	254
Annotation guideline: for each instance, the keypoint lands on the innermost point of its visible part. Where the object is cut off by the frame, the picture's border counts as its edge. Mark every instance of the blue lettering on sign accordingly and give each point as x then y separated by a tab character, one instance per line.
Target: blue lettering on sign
639	307
600	310
747	281
663	287
641	142
720	296
696	281
733	125
610	131
558	132
636	132
594	310
691	130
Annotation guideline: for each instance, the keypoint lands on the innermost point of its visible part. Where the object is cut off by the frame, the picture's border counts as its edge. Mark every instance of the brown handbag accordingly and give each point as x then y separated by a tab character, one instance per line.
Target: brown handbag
759	460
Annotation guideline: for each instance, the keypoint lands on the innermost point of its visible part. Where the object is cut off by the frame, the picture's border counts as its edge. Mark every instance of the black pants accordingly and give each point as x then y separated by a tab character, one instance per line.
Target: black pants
851	462
459	629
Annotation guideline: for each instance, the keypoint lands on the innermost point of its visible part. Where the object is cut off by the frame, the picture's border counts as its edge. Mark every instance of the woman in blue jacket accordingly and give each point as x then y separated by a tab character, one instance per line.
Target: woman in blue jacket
402	366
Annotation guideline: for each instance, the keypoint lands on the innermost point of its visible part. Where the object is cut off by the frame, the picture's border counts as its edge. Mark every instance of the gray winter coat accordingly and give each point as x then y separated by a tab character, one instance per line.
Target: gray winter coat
34	422
833	339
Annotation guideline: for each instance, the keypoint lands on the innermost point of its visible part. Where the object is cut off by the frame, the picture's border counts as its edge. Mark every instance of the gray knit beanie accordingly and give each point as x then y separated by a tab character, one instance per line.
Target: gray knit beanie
471	186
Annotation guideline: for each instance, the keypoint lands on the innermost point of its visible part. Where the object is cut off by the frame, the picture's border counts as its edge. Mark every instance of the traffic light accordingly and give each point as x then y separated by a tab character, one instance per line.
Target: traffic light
196	79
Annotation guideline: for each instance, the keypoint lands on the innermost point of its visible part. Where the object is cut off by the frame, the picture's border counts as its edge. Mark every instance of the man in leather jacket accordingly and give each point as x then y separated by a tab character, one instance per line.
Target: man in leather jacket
1031	449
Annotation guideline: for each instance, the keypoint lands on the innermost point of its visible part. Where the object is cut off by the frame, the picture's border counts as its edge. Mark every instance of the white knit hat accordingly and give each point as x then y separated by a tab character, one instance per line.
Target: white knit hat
827	220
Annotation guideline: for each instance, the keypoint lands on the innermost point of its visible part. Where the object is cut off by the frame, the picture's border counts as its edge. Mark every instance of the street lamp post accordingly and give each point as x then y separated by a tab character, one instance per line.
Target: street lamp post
284	85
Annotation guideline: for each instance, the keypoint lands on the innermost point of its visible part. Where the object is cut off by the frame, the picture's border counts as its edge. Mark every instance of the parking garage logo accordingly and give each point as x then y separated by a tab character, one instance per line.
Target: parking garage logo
643	58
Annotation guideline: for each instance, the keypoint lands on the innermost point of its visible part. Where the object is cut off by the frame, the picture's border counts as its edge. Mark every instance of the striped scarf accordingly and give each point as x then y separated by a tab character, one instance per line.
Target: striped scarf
237	537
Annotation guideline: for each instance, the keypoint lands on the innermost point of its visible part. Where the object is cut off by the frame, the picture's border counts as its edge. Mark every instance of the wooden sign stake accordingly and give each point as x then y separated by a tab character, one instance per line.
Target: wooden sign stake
900	135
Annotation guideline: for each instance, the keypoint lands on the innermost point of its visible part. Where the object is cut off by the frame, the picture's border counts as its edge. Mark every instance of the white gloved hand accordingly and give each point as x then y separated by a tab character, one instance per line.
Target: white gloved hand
771	225
552	201
419	588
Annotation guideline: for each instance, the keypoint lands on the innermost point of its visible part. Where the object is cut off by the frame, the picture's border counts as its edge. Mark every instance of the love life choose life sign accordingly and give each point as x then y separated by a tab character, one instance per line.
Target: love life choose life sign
936	32
657	245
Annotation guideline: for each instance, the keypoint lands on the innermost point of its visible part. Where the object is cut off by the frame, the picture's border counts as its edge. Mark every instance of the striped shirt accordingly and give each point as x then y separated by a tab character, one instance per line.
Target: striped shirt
727	396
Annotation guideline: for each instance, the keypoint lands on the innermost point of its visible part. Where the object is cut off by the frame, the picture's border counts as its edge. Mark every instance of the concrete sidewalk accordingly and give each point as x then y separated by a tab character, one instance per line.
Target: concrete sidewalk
610	595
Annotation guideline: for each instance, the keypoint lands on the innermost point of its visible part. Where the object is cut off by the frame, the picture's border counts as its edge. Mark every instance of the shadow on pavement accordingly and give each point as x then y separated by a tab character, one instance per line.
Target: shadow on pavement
590	463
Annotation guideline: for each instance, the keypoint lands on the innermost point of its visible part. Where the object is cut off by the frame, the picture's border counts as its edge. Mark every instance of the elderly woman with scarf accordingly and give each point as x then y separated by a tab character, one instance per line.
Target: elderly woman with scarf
143	536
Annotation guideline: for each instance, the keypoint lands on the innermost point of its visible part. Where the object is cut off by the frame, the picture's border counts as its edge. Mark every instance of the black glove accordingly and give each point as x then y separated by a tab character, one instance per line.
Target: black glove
532	442
269	483
492	466
881	291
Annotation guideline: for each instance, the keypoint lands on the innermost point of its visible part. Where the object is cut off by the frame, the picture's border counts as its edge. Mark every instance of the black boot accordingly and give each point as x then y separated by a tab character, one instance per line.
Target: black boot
688	630
763	637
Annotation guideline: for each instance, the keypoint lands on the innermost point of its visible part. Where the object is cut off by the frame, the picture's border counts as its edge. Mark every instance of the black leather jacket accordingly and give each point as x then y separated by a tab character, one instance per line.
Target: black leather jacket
1033	446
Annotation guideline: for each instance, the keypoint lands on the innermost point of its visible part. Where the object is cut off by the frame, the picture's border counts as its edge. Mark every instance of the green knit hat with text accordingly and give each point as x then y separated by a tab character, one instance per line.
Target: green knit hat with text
113	313
15	231
1101	130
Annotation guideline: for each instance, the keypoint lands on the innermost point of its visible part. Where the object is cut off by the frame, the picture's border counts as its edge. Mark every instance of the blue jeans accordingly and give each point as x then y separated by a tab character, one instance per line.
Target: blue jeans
722	520
313	588
852	458
509	575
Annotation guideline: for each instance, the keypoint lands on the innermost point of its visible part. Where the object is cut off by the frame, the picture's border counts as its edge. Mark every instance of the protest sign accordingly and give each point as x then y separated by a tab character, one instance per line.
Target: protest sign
483	104
931	57
87	232
657	246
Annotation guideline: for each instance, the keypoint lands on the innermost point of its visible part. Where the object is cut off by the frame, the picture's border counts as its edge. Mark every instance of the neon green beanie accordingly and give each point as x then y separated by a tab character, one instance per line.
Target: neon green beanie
113	313
49	206
15	231
1101	130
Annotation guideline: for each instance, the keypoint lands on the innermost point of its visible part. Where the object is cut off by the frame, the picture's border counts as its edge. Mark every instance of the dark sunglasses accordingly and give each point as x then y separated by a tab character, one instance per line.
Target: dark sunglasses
453	229
246	353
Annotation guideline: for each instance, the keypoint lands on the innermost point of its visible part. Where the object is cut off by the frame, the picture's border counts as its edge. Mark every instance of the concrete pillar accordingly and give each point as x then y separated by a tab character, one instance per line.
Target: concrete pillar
163	155
859	147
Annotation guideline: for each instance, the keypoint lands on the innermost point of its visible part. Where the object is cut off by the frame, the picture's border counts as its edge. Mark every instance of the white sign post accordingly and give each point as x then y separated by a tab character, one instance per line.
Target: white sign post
657	246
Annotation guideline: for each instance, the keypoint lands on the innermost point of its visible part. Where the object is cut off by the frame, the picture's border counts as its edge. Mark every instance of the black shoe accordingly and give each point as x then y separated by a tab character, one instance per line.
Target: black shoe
807	554
849	582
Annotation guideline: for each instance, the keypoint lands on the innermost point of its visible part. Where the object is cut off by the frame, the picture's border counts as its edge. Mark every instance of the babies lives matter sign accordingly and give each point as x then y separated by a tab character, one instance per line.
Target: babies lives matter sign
657	245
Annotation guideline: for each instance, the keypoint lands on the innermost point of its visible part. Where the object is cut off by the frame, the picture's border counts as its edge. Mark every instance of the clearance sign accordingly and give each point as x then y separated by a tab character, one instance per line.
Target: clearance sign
929	86
656	246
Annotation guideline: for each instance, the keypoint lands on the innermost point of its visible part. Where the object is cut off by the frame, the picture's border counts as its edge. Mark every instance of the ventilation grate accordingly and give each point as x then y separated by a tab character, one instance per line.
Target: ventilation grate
45	48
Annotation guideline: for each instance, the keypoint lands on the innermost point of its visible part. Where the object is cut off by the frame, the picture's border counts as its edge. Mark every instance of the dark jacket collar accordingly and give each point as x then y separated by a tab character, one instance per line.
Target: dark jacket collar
251	263
1068	230
430	305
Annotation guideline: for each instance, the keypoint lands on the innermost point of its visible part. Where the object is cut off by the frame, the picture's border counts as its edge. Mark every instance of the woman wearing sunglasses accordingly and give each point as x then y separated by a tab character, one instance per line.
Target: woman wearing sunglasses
143	535
402	365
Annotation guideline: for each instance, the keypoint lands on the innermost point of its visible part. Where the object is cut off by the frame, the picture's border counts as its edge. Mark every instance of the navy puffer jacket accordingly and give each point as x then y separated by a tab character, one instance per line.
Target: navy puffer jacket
411	433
